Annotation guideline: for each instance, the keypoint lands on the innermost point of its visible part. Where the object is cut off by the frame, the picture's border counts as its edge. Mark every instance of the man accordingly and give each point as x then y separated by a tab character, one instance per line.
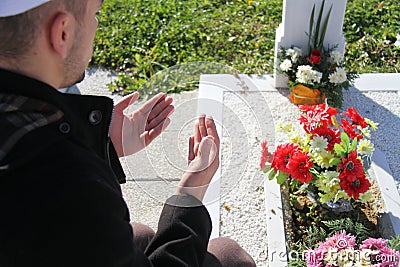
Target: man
60	199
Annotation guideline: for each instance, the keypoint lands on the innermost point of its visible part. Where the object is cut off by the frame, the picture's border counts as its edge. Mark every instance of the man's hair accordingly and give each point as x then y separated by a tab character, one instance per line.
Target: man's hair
18	33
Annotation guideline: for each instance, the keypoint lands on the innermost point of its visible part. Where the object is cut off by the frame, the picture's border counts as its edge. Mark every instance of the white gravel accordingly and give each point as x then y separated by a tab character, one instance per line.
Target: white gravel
245	126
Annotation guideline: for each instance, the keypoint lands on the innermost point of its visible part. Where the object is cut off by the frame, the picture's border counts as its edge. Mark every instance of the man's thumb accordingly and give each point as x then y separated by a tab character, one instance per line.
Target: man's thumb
122	104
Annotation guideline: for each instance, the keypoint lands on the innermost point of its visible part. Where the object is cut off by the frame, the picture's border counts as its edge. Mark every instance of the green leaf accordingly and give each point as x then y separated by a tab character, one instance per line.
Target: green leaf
310	32
334	161
266	169
339	149
271	174
323	32
317	27
281	178
353	145
345	141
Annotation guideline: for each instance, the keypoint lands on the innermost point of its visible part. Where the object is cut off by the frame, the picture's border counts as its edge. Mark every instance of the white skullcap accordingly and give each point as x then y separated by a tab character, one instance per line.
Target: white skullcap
14	7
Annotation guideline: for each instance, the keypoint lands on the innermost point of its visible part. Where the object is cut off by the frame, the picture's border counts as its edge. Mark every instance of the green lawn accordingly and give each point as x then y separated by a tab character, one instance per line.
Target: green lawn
138	38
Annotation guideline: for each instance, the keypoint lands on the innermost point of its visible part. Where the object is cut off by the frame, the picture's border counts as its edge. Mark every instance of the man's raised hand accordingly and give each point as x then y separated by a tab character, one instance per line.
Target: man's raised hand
203	158
132	132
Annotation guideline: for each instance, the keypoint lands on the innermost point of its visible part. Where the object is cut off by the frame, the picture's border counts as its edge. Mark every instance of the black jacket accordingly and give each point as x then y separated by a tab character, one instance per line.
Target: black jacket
60	198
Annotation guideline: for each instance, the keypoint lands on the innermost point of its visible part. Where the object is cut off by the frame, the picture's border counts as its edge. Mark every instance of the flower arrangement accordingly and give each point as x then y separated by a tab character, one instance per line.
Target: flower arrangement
342	250
324	155
319	70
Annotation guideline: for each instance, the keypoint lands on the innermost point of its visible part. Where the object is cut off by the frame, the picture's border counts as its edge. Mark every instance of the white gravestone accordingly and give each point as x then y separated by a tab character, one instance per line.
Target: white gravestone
295	24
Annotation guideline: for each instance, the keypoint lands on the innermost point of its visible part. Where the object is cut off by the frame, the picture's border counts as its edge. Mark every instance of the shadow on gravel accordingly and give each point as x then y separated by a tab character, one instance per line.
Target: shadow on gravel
375	105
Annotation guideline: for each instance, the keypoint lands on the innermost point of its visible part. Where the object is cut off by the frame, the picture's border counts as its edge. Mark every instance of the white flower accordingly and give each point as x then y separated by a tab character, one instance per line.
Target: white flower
286	65
363	258
397	43
318	144
346	257
338	77
336	57
294	53
331	256
316	76
306	75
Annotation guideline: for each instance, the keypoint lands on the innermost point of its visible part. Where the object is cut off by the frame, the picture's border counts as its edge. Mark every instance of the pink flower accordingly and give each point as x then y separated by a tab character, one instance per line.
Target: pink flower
373	244
314	258
389	257
340	240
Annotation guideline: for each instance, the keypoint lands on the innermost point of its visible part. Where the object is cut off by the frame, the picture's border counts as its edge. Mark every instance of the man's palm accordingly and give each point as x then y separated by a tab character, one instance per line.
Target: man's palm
132	132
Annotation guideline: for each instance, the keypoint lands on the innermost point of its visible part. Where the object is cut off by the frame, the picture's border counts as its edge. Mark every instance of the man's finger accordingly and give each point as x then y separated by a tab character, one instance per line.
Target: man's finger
212	130
202	126
124	102
191	155
161	117
150	104
197	135
161	105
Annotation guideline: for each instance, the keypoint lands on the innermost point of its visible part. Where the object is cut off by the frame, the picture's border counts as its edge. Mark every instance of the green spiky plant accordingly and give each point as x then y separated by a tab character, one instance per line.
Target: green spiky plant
316	35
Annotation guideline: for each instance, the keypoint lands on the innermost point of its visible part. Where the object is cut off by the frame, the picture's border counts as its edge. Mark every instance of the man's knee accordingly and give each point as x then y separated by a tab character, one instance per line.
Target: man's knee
230	253
142	235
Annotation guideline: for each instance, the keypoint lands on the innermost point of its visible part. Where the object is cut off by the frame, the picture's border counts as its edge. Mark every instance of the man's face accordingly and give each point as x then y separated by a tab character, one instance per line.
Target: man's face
82	50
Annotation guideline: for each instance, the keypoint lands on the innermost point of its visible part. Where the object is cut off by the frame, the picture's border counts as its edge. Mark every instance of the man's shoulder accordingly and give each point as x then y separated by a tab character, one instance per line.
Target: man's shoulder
50	157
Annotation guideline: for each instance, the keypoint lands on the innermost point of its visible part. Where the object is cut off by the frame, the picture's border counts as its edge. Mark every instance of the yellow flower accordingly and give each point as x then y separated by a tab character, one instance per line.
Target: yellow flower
365	147
328	183
371	124
335	122
326	197
364	131
323	158
279	126
341	195
287	128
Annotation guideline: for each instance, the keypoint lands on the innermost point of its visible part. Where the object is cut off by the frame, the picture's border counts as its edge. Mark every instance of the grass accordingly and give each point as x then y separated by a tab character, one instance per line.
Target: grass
139	38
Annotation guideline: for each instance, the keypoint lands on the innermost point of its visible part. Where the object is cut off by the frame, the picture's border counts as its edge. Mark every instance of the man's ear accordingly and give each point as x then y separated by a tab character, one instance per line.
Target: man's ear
61	34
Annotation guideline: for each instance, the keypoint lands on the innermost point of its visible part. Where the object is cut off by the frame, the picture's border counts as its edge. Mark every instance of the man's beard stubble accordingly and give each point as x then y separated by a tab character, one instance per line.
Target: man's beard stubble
74	67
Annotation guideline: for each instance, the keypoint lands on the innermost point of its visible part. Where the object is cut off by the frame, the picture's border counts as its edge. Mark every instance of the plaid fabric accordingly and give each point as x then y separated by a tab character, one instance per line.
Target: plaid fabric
20	115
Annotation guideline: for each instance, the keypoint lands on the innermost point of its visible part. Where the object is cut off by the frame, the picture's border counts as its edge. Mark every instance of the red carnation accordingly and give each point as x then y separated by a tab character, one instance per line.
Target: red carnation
282	155
331	135
315	57
351	167
299	166
355	117
266	156
315	116
350	129
354	188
